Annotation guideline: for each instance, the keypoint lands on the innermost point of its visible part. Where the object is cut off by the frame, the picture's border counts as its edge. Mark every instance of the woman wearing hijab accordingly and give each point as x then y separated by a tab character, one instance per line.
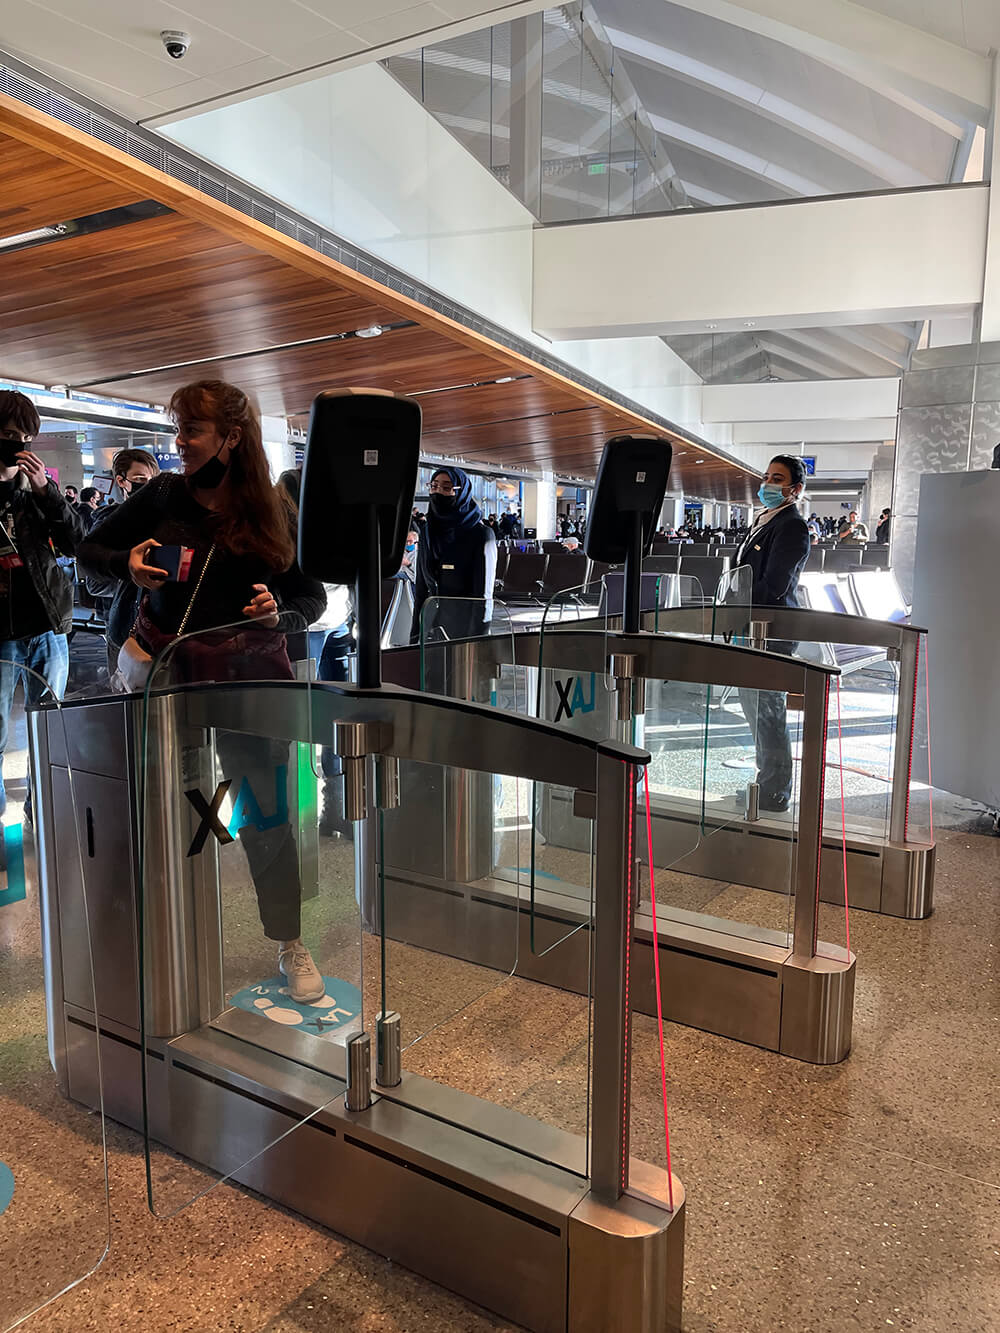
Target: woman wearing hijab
456	558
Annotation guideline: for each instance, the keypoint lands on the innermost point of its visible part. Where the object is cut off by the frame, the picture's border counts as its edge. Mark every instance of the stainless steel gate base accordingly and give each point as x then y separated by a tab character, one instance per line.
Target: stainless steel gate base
896	879
503	1226
733	980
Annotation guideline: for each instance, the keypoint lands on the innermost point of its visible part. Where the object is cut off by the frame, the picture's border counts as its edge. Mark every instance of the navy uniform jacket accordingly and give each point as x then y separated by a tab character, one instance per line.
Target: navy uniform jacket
776	553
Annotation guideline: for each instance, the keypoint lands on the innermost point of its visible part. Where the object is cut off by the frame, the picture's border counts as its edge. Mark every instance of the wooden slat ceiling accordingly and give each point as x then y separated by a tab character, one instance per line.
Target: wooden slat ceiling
205	292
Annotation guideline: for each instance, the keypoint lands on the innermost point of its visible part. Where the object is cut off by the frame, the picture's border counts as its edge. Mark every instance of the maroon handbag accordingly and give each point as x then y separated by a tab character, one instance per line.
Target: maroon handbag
216	655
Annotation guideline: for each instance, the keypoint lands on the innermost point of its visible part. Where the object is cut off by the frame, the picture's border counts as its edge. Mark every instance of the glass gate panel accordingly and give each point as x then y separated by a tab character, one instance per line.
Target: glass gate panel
251	922
450	851
707	820
450	957
54	1206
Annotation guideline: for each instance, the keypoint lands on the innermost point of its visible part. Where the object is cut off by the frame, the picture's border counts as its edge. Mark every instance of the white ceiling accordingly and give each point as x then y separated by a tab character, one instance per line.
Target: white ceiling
110	50
974	24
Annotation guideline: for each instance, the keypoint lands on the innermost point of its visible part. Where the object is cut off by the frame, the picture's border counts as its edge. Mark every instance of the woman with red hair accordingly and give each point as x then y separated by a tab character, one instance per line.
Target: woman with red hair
241	529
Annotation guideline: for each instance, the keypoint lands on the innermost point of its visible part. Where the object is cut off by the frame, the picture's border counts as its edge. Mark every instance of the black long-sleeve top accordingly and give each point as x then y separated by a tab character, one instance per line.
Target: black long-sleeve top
469	570
776	553
166	510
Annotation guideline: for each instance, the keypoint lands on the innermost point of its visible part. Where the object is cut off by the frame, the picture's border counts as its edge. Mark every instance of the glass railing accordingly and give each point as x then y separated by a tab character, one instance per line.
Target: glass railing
596	154
55	1222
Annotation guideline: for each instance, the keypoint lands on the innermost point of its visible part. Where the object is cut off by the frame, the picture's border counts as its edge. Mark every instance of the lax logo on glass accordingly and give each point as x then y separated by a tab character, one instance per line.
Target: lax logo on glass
246	810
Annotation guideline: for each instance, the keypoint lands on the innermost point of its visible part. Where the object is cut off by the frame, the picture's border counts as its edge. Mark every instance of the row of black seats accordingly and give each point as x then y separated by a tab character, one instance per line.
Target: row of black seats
842	559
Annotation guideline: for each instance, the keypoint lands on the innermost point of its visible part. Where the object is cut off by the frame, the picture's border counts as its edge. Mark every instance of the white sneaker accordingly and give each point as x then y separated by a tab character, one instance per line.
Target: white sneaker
304	981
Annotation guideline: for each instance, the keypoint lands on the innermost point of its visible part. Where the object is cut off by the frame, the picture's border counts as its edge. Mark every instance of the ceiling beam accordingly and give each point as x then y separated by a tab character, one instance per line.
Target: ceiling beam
756	99
710	197
881	341
913	68
841	352
806	347
709	146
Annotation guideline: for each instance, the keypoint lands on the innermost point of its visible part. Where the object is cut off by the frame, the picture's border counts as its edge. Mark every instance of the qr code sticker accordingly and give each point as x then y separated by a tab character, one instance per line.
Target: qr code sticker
371	458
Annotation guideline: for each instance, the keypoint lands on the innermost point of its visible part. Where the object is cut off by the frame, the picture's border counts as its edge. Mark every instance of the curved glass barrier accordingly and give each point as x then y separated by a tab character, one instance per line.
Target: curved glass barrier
454	944
704	759
735	592
919	814
560	854
238	959
677	591
454	838
55	1222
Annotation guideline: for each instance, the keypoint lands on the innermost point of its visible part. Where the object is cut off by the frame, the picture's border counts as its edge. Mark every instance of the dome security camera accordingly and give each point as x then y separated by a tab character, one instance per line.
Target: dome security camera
176	43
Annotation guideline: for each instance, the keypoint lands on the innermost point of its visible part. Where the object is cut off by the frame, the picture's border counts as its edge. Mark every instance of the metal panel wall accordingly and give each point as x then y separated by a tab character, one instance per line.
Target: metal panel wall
949	421
958	537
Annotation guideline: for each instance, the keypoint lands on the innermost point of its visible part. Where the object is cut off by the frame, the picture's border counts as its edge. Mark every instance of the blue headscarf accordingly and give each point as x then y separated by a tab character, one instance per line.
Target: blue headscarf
441	530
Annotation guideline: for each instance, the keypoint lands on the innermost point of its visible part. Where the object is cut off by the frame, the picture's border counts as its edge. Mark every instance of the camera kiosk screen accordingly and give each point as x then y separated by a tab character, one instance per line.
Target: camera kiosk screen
361	461
631	480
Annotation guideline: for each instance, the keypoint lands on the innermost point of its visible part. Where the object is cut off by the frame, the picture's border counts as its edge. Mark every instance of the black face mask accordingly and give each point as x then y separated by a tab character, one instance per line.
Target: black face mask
442	504
210	474
9	450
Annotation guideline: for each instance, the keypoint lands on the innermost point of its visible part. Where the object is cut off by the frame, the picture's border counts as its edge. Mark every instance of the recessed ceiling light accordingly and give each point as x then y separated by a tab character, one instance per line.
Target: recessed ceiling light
372	331
711	326
699	460
38	234
749	323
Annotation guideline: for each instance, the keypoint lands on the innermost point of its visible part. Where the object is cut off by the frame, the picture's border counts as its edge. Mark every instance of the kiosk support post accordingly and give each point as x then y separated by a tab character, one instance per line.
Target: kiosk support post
633	575
367	592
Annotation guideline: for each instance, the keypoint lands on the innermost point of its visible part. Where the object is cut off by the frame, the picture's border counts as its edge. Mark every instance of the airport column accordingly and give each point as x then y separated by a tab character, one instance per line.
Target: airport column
539	507
990	322
280	454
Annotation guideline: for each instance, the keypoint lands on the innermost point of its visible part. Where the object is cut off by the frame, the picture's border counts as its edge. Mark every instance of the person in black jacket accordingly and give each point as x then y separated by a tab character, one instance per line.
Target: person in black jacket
456	559
241	530
775	551
36	595
884	525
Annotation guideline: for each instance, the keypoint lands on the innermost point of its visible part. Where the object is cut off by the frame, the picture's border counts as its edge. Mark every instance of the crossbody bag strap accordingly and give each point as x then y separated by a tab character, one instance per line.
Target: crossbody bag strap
187	614
197	588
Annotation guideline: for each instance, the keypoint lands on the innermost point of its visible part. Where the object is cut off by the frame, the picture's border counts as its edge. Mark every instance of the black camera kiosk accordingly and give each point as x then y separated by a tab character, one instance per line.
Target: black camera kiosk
628	497
359	478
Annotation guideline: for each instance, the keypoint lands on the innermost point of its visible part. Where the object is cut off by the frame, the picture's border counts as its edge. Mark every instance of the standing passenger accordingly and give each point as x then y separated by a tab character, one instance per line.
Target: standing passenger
36	595
241	530
776	551
456	559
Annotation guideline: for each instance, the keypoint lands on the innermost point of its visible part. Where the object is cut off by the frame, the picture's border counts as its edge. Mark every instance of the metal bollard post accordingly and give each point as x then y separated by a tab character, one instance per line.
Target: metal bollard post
358	1096
752	811
388	1050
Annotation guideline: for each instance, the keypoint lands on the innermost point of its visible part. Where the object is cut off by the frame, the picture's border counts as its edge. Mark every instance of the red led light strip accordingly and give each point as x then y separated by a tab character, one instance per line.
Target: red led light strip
909	760
626	1073
843	822
927	715
659	997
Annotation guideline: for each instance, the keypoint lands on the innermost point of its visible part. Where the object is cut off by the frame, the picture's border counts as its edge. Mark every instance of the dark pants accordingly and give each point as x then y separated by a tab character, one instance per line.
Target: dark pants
766	713
272	854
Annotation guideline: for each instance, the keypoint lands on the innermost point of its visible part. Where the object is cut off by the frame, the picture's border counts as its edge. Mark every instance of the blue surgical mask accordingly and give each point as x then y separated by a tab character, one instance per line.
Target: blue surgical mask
411	546
770	496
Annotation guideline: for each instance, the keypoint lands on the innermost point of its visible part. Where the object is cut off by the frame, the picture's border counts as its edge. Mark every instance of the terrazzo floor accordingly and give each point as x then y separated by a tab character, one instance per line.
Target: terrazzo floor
861	1196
